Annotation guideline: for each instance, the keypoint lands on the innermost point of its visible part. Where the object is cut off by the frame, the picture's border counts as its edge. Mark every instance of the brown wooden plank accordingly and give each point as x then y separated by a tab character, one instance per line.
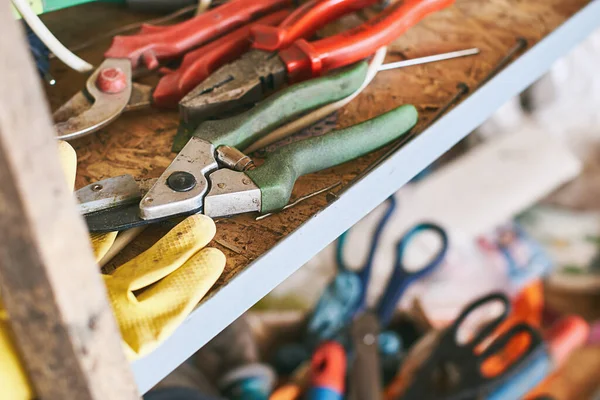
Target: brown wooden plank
50	285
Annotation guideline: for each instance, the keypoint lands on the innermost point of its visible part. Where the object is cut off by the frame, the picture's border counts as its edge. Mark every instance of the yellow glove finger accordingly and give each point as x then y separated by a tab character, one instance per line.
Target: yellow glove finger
14	383
168	254
101	243
148	320
68	162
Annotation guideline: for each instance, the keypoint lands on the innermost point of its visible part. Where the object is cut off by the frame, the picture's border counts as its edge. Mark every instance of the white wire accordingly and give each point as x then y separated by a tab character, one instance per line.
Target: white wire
320	113
56	47
203	5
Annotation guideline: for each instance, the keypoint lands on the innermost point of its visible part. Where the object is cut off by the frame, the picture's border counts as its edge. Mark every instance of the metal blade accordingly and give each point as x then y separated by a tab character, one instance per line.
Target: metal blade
73	107
112	192
141	97
124	217
102	110
234	85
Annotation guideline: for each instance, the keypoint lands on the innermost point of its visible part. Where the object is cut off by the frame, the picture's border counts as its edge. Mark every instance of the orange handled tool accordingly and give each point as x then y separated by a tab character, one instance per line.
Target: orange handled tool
198	64
308	18
328	372
305	60
154	44
258	73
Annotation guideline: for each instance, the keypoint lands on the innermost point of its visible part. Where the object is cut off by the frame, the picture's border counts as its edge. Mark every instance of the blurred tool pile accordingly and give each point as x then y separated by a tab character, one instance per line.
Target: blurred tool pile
499	345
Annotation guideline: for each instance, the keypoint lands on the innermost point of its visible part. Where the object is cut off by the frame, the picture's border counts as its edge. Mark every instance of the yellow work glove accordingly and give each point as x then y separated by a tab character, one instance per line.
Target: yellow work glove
14	383
169	280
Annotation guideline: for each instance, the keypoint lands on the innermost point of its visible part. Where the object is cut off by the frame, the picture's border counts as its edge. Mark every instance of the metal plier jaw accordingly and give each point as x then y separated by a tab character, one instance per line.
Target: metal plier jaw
109	91
194	182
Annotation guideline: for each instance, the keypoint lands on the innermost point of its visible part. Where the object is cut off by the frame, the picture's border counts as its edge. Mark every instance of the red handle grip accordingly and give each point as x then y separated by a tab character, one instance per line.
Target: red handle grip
197	65
564	336
304	22
328	367
305	60
158	44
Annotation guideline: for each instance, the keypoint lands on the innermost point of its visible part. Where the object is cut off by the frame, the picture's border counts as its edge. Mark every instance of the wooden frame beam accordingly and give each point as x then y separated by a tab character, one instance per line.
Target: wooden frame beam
49	282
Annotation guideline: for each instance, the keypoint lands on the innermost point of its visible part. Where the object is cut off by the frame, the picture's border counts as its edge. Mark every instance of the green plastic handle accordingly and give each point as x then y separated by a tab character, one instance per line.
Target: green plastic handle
277	176
244	129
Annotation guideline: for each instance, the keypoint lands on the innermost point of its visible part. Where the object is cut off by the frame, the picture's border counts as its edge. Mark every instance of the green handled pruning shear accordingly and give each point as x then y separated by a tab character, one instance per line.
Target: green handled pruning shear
210	175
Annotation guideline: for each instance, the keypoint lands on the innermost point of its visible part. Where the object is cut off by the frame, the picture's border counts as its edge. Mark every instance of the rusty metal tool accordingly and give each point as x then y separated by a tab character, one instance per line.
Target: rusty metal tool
110	89
258	73
210	175
198	64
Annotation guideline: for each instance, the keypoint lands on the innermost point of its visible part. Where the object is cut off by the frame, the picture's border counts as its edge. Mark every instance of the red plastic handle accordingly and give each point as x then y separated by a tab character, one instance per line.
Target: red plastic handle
328	367
304	22
197	65
157	44
306	60
564	336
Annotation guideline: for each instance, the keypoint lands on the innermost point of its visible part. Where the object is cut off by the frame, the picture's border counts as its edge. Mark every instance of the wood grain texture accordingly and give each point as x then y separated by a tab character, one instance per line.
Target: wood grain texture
139	143
50	285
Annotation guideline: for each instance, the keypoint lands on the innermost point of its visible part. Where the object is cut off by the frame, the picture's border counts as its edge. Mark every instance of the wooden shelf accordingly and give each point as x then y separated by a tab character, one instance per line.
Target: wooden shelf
261	254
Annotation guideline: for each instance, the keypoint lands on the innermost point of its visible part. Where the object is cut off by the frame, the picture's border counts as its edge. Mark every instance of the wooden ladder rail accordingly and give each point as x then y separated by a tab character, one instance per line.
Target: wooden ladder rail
49	283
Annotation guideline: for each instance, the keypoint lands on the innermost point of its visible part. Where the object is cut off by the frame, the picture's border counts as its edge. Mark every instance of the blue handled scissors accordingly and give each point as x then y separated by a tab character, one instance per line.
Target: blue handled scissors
401	277
345	297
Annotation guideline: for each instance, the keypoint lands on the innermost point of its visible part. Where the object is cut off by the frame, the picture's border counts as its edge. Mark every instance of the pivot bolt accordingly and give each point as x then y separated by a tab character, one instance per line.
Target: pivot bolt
181	181
111	80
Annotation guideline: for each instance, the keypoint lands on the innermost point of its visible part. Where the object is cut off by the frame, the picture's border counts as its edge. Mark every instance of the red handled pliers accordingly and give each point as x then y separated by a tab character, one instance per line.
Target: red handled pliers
263	70
110	89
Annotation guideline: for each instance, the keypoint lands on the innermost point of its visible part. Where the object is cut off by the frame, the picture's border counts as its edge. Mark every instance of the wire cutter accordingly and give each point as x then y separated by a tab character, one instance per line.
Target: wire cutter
199	64
262	70
110	90
210	174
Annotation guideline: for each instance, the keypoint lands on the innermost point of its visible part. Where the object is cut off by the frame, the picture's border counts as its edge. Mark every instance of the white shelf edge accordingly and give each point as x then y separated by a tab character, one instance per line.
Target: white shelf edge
272	268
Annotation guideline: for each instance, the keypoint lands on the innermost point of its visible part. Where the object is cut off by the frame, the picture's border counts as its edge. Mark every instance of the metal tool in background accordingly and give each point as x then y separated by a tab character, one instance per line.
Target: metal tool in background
365	380
207	174
110	89
258	73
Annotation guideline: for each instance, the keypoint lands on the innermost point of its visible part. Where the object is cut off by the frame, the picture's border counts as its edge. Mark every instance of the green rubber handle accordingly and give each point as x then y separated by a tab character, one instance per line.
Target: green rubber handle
244	129
277	176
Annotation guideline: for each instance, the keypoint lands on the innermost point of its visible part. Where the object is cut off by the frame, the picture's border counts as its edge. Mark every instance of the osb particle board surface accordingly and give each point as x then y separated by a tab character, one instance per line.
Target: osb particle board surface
139	143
